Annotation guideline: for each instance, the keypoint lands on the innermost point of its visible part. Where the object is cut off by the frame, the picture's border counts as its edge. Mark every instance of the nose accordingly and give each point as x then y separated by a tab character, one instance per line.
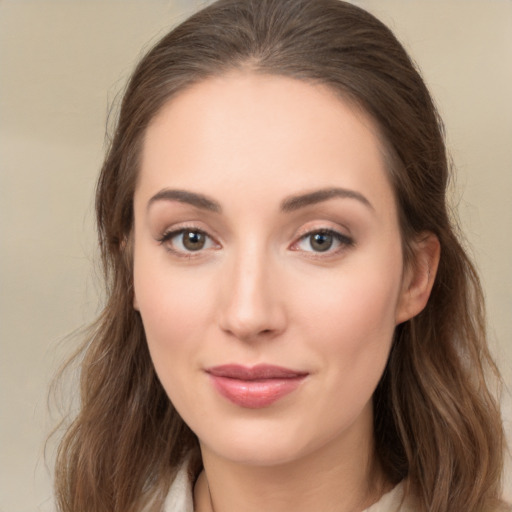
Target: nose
251	302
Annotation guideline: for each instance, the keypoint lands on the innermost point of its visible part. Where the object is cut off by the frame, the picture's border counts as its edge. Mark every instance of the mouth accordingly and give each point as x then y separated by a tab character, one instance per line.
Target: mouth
257	386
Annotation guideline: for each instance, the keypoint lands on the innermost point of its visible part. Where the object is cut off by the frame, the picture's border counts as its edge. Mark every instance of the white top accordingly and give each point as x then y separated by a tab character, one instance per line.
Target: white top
180	497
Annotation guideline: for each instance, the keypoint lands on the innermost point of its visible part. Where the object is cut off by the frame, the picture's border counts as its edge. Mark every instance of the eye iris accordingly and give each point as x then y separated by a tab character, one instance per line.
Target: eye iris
321	241
193	240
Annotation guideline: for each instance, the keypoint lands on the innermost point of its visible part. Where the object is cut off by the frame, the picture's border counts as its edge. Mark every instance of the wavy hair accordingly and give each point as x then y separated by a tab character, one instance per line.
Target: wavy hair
436	421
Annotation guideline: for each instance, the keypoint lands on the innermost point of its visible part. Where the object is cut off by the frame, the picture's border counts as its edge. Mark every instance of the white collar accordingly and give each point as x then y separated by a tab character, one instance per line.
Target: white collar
180	496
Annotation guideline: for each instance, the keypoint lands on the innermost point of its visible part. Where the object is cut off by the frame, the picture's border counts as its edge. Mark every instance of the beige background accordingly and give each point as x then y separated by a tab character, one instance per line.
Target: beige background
62	63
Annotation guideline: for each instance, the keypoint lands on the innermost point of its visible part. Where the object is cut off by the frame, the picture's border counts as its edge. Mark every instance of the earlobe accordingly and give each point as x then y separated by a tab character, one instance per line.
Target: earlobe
419	277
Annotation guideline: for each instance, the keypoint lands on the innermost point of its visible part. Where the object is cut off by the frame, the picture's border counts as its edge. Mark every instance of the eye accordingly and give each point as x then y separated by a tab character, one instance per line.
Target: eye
186	240
322	241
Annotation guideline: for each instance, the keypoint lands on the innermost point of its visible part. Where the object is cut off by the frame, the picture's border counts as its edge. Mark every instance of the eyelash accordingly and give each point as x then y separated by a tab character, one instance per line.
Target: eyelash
344	242
169	235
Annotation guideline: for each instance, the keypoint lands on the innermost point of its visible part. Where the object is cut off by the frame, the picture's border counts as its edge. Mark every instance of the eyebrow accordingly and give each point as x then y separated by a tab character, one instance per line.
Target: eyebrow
293	203
184	196
290	204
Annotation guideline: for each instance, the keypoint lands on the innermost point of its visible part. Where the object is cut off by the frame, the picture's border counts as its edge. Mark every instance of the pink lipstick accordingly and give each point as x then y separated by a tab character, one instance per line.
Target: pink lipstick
257	386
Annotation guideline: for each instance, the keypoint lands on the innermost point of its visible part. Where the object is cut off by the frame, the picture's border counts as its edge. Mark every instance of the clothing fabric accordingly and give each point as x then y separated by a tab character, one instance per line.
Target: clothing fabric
180	497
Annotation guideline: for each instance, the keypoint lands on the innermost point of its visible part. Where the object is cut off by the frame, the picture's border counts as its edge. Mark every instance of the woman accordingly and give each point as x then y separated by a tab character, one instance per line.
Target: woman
291	322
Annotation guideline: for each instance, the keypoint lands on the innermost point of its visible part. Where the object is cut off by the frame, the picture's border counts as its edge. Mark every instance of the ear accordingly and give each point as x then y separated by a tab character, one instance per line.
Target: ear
419	277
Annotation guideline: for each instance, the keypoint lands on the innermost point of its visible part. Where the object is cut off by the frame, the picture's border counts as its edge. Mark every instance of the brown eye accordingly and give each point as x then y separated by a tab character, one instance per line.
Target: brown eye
186	241
193	240
321	242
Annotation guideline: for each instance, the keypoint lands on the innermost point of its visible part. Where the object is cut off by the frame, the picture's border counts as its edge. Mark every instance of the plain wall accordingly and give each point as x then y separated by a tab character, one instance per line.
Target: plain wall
62	63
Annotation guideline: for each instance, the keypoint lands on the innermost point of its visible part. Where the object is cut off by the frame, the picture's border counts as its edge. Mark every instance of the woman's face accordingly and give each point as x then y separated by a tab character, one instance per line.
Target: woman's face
267	265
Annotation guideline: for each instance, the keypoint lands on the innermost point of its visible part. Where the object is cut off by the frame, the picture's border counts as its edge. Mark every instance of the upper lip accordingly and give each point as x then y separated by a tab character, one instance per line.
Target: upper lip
258	372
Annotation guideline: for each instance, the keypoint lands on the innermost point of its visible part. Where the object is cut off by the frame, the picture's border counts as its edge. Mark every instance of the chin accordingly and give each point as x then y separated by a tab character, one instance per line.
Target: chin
274	454
263	444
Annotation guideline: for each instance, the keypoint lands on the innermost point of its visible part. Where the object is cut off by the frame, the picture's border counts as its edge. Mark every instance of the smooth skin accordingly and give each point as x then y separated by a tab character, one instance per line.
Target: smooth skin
266	231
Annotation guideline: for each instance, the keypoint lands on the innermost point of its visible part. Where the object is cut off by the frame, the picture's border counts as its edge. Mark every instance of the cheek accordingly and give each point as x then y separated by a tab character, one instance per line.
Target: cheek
173	311
350	317
356	304
171	317
353	338
357	338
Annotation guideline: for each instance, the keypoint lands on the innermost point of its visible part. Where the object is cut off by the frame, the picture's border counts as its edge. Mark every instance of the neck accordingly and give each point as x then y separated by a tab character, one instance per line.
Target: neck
342	476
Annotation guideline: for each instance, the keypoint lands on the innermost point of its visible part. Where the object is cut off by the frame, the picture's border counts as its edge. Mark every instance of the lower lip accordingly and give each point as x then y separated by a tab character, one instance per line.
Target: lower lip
255	394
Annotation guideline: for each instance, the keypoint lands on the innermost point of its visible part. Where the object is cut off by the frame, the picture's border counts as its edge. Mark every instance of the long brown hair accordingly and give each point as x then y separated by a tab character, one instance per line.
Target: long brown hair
436	421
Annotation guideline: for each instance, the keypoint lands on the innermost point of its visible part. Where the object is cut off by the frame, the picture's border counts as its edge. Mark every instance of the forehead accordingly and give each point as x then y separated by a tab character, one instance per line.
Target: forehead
246	130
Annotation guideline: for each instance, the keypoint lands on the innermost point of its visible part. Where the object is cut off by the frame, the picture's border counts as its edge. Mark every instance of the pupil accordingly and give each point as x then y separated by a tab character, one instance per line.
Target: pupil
321	242
193	241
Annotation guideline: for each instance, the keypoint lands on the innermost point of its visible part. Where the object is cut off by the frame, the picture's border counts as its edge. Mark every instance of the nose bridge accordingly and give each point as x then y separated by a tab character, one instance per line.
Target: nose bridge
252	305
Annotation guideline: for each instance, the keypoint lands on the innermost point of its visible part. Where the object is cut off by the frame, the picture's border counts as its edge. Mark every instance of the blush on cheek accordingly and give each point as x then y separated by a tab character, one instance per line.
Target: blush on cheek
167	322
354	325
167	301
352	307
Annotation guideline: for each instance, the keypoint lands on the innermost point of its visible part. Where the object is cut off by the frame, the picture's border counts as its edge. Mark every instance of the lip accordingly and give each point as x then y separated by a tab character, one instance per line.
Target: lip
256	386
